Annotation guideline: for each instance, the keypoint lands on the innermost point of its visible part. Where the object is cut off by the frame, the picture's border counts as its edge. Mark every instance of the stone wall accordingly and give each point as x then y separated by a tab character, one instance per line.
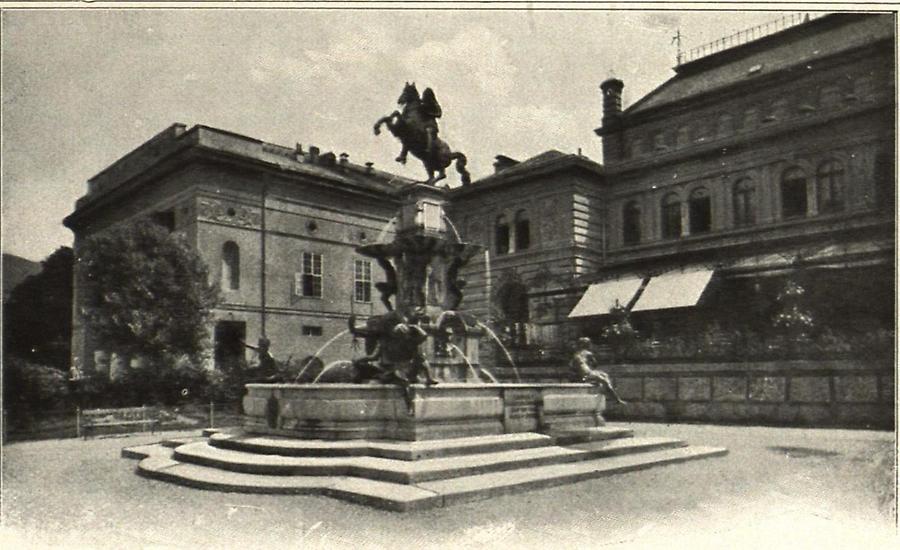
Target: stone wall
797	393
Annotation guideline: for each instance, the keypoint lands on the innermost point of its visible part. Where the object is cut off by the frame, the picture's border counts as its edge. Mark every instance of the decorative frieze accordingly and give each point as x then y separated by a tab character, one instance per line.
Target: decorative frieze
227	212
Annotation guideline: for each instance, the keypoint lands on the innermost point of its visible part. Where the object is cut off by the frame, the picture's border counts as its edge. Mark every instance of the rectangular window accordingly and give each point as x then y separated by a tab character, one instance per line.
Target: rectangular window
310	283
362	281
312	330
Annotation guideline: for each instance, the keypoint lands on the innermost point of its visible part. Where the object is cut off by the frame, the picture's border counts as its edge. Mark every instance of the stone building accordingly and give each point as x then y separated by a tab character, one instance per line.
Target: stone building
770	159
760	164
277	227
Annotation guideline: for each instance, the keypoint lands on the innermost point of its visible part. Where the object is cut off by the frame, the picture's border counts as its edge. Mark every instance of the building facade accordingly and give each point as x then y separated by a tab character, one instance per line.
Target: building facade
775	158
276	226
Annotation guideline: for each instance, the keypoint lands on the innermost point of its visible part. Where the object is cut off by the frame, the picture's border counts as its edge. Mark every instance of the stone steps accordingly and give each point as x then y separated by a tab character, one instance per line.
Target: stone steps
398	450
403	497
411	471
569	436
485	486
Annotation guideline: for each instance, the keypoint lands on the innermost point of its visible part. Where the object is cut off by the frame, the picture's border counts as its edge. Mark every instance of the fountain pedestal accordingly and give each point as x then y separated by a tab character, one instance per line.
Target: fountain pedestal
379	411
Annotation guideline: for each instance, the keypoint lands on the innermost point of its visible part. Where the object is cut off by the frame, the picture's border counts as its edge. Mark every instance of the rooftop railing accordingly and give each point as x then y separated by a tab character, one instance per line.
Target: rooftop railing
747	35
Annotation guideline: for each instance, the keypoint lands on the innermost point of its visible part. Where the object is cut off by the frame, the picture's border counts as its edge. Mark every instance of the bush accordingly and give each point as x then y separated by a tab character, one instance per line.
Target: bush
30	390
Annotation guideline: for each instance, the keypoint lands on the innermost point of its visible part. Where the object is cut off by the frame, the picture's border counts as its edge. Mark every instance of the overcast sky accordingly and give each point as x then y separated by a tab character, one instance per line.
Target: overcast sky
81	88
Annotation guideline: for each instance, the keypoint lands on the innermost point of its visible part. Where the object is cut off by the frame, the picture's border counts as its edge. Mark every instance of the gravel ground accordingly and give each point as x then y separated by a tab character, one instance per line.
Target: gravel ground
777	488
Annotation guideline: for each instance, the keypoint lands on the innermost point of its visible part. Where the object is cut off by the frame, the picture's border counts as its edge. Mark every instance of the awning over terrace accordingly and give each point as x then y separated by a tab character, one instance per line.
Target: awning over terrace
673	290
599	298
669	290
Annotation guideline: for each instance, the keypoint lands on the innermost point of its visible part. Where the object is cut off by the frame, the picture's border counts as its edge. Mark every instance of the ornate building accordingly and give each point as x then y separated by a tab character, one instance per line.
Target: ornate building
773	159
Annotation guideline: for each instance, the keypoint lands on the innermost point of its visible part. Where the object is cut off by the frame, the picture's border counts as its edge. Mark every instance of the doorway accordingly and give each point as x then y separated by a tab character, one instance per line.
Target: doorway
229	344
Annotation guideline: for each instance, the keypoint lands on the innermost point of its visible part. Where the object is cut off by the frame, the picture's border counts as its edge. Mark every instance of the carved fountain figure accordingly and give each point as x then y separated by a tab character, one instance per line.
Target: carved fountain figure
422	334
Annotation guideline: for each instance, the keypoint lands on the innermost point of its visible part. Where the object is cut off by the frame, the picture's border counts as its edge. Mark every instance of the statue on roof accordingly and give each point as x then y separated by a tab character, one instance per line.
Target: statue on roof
417	129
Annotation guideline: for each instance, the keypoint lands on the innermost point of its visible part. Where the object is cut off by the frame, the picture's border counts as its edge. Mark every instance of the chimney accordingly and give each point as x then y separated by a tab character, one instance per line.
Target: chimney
611	123
328	159
370	167
345	159
313	154
612	99
502	162
298	152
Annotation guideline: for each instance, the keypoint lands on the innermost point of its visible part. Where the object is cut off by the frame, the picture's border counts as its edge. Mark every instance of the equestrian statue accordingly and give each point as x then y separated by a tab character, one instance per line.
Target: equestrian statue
416	128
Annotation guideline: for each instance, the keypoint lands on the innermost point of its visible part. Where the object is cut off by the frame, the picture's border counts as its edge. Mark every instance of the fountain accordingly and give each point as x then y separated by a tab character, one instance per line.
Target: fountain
412	424
421	377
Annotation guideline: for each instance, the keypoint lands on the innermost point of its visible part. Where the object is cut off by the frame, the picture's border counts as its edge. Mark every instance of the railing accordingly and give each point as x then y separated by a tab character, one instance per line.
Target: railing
745	36
63	422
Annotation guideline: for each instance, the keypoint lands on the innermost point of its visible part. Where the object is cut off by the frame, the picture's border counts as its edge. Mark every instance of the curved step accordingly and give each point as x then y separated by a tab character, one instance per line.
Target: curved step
405	471
389	496
430	494
398	450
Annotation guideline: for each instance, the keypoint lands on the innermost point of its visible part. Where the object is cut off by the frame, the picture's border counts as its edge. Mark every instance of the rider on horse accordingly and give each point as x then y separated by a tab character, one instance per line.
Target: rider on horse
431	110
417	129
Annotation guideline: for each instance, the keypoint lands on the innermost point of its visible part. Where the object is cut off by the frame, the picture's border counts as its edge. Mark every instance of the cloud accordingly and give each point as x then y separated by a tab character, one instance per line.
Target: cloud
663	21
476	57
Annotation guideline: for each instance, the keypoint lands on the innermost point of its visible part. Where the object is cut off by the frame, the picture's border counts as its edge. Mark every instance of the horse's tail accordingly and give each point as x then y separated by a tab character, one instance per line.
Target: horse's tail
461	162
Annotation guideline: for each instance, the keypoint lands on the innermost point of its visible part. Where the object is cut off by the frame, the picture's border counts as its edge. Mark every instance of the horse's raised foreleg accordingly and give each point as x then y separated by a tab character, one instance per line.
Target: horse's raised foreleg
385	120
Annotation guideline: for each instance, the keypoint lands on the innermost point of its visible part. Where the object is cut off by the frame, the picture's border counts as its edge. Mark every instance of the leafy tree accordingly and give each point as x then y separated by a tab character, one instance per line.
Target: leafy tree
147	293
37	322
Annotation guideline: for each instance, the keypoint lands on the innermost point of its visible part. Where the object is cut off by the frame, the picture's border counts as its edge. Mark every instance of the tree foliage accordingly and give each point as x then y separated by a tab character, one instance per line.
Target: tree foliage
37	322
147	293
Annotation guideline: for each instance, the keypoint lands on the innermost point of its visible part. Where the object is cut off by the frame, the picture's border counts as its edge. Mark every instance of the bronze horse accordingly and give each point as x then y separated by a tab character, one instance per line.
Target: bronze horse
416	128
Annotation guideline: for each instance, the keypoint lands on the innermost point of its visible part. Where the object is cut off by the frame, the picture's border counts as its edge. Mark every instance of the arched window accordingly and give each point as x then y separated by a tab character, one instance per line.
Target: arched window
724	125
523	231
793	193
661	141
700	210
830	186
683	137
501	235
635	147
631	223
751	118
744	201
231	266
671	216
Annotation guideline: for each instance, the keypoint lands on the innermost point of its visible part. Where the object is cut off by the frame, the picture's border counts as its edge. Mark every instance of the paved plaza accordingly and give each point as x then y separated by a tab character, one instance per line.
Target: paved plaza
777	488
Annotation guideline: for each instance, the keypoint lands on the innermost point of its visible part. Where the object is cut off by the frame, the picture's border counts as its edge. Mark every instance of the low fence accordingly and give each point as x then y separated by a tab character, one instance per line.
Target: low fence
64	423
846	393
823	392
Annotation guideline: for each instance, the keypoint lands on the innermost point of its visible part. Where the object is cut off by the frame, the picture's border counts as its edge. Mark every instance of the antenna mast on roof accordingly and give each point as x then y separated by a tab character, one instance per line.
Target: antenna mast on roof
677	41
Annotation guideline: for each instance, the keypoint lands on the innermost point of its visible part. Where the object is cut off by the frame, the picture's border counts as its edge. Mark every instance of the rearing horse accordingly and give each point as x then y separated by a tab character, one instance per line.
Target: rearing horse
416	128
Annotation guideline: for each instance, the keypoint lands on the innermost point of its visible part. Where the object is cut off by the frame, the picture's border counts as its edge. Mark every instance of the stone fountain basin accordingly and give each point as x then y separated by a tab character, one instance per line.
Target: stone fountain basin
379	411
